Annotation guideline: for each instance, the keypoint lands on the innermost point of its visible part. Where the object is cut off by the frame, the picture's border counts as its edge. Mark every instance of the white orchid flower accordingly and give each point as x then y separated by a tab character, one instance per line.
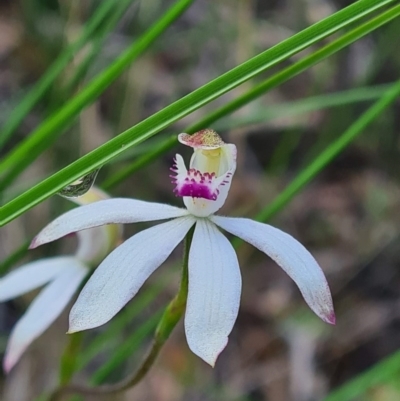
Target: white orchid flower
214	275
61	275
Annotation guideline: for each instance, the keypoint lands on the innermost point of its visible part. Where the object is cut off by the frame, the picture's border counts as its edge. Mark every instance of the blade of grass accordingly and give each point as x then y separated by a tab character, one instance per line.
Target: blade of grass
40	88
307	105
140	162
333	150
21	157
186	105
14	258
98	43
117	324
387	369
126	349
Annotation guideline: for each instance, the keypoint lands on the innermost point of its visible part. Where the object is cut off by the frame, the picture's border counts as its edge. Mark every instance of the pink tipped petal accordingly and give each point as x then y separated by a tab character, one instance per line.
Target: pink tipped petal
214	292
291	256
108	211
32	275
123	272
331	318
43	311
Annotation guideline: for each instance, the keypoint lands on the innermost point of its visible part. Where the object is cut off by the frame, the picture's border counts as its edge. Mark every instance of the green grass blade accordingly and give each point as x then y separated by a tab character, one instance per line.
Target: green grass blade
387	369
117	325
184	106
125	350
14	258
40	88
140	162
98	42
19	158
324	158
306	105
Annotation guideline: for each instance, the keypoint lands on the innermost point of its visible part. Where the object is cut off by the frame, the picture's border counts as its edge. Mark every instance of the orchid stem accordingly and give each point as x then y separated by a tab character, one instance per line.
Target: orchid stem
69	358
168	321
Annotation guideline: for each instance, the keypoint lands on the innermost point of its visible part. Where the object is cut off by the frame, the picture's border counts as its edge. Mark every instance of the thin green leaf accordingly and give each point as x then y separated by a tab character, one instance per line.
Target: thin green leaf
383	371
98	42
140	162
14	258
333	150
189	103
126	349
117	325
306	105
40	88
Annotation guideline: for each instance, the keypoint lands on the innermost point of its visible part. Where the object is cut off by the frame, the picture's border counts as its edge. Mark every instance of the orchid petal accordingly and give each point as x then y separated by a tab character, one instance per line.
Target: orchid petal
43	311
214	292
291	256
123	272
108	211
32	275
